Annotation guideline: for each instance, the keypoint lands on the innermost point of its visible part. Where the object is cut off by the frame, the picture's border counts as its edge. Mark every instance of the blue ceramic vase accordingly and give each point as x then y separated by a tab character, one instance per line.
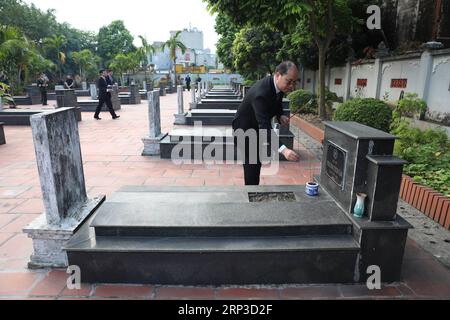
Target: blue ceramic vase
359	209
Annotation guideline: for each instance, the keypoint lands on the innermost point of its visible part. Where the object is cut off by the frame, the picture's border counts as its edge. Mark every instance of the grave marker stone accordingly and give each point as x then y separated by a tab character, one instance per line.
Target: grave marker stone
93	89
152	141
358	159
60	165
180	118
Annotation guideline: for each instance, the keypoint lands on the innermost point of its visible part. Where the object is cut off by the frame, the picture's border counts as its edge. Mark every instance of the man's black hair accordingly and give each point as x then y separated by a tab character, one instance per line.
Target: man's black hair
284	67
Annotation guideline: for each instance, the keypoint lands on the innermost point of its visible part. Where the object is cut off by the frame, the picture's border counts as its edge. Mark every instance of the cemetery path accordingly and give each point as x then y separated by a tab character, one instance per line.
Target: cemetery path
112	159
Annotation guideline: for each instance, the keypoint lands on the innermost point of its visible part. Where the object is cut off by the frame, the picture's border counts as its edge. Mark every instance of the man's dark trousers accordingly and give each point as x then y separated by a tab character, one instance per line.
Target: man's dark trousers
44	97
102	100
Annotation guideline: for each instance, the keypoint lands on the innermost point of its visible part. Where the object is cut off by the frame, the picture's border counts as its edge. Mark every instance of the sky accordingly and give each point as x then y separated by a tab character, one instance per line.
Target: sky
152	18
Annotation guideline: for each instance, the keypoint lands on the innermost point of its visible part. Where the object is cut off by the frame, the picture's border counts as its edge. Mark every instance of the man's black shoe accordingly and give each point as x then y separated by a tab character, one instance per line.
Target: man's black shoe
116	117
97	118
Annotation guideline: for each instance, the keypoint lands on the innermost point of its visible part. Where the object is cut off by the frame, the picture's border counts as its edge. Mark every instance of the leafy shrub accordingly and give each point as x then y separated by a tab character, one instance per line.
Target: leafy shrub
302	101
370	112
4	93
428	154
411	105
249	83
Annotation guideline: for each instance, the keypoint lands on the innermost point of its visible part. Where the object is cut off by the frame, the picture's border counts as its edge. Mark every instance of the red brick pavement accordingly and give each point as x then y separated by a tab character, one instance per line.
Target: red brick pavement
112	159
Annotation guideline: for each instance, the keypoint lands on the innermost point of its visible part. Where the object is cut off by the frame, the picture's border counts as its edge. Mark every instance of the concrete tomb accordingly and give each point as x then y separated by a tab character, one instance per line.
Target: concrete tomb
66	204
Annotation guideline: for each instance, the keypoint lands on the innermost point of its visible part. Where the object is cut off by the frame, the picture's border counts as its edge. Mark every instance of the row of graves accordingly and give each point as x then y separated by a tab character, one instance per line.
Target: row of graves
85	100
221	235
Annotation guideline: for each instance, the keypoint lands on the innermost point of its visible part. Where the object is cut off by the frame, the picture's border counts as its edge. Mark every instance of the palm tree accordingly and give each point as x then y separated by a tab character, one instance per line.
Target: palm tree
17	53
86	60
173	44
143	53
124	63
56	44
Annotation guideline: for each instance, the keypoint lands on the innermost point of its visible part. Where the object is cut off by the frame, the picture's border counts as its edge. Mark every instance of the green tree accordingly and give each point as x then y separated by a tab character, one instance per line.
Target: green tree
174	44
124	63
325	18
55	44
253	51
87	61
227	31
19	57
114	39
143	52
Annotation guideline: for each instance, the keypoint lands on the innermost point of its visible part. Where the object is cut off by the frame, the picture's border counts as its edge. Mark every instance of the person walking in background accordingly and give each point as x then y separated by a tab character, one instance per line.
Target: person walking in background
42	84
104	96
188	82
110	78
198	81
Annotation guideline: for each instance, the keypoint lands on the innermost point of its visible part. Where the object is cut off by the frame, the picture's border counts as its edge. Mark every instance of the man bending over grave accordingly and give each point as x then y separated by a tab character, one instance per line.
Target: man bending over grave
263	102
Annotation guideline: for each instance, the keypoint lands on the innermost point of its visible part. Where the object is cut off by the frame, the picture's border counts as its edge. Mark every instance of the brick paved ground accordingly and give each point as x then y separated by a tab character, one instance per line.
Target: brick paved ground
112	159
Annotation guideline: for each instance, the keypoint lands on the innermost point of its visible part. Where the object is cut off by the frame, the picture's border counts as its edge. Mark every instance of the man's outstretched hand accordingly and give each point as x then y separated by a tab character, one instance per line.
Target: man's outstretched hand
284	121
291	155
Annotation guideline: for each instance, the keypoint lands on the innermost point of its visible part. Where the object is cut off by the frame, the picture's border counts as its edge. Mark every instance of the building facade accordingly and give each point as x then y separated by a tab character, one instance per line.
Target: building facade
195	54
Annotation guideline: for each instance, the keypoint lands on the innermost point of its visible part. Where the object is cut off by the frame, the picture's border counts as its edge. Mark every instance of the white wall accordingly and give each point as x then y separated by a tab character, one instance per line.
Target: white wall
309	74
363	71
439	92
403	69
412	67
337	73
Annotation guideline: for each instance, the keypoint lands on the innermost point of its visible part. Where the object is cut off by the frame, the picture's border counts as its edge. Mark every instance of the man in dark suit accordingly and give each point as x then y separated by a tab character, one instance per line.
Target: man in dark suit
104	96
263	102
109	79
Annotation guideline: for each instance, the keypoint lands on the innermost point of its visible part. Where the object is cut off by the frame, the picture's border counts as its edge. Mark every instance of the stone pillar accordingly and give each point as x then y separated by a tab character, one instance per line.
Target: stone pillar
303	77
348	80
144	85
328	76
180	118
135	97
193	103
115	98
153	140
34	93
378	77
93	90
84	85
66	98
162	90
66	205
314	83
199	94
426	67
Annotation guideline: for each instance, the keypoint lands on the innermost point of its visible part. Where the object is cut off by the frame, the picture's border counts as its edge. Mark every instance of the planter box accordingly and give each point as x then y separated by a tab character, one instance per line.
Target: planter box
308	128
430	202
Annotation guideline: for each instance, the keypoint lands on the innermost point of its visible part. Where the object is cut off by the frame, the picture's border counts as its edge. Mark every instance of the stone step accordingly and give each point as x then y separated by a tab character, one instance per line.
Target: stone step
91	105
215	236
216	261
216	117
22	100
166	218
201	144
237	98
21	117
